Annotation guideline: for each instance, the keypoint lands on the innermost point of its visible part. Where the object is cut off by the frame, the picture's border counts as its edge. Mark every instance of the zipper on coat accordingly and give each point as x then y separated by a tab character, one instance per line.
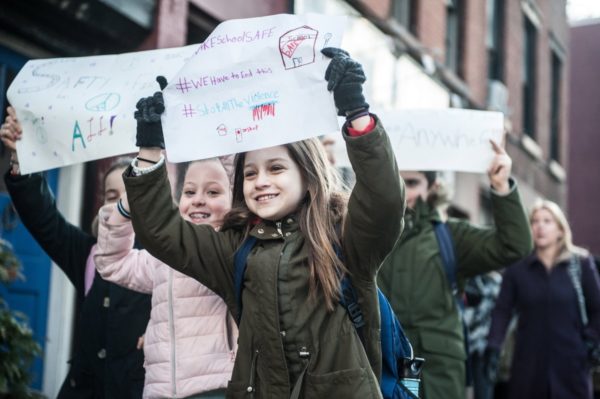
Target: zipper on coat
229	336
251	388
278	224
172	334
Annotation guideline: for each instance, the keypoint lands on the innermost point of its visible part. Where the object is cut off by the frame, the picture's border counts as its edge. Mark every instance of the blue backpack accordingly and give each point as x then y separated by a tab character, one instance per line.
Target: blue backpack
400	377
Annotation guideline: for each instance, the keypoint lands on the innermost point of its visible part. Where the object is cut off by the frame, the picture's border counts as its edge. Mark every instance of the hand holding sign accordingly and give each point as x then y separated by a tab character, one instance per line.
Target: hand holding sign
345	77
252	84
445	139
11	130
500	168
74	110
149	109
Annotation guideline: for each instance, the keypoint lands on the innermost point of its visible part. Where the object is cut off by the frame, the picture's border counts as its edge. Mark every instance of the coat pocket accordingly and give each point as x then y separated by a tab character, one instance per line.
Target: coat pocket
351	383
246	389
237	390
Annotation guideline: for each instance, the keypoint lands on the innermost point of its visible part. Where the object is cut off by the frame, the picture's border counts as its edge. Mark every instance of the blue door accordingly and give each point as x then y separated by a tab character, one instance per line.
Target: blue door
30	296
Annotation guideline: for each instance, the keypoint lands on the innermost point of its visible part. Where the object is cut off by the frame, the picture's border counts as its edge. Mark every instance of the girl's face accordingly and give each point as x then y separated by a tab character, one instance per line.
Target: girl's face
206	196
114	186
416	187
273	184
545	229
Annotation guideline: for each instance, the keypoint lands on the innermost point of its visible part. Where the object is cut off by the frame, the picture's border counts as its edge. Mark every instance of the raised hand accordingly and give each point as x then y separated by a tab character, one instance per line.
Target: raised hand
149	129
345	77
11	131
500	168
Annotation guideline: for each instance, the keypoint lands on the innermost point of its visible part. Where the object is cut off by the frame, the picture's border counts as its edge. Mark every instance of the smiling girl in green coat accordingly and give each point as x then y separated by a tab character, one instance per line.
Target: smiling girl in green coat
296	340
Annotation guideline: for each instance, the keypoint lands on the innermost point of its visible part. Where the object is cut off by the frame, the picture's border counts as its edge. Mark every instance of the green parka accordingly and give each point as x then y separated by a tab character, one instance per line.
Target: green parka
280	323
414	280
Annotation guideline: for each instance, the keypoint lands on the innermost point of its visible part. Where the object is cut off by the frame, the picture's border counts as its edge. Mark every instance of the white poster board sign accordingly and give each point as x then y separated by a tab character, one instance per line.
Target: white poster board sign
443	139
253	83
74	110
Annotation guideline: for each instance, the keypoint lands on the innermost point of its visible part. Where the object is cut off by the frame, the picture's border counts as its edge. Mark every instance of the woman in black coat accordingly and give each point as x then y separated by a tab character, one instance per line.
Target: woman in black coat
105	363
556	324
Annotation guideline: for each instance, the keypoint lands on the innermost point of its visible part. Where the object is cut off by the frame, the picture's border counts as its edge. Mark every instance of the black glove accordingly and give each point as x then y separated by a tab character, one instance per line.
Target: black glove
345	77
149	109
491	363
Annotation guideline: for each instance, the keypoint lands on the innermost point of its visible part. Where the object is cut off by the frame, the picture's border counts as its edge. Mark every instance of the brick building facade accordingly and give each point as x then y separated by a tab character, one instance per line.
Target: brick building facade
584	144
507	55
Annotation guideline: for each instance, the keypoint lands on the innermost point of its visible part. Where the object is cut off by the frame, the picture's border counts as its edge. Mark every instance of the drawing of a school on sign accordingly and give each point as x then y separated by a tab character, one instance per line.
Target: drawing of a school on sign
297	47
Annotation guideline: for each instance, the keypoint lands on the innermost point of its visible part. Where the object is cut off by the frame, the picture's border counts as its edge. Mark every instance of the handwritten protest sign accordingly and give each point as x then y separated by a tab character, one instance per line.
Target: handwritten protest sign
253	83
443	139
79	109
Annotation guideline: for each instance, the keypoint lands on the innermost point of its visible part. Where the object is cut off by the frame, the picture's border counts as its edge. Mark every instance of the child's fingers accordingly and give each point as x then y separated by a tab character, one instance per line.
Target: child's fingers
7	137
11	111
10	124
12	118
497	148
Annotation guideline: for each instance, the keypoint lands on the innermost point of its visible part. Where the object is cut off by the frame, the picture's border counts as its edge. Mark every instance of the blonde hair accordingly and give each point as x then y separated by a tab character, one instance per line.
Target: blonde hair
182	168
565	243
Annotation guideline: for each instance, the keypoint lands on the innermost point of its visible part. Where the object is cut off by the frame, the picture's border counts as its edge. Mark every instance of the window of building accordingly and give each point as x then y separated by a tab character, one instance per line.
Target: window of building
528	77
493	39
200	25
555	114
454	19
403	11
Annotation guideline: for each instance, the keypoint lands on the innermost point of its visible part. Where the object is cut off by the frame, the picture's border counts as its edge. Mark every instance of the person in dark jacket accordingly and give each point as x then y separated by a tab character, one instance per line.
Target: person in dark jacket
295	339
413	277
550	359
105	363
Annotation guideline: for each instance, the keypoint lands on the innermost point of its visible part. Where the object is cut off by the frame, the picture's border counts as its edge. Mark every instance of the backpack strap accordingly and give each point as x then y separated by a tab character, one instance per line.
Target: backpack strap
446	244
574	271
444	239
240	263
349	300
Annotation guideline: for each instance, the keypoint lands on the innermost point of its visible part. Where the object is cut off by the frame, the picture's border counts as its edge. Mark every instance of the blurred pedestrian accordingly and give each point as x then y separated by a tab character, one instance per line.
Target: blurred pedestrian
553	291
346	173
414	276
105	362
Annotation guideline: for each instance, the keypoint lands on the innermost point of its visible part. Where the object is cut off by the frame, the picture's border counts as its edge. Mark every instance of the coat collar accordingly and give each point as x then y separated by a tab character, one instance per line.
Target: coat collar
421	213
563	258
268	230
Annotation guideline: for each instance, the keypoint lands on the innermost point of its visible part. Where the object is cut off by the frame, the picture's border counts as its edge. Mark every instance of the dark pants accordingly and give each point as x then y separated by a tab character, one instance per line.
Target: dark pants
482	388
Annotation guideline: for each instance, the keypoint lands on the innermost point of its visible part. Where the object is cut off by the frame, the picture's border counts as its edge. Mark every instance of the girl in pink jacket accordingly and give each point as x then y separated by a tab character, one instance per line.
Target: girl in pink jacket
191	338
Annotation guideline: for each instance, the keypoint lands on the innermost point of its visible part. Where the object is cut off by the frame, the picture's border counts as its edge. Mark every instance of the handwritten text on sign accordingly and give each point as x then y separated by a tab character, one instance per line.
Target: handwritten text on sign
79	109
443	139
253	83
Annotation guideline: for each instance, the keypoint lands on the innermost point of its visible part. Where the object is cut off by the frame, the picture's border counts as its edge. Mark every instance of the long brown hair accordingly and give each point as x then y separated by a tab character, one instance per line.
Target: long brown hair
320	214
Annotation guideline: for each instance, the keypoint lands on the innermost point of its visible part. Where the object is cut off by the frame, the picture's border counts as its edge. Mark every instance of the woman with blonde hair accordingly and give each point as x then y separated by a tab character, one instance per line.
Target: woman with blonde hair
556	293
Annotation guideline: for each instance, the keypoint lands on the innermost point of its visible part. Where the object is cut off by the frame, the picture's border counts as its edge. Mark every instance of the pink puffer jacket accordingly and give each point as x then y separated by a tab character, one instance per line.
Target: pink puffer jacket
191	339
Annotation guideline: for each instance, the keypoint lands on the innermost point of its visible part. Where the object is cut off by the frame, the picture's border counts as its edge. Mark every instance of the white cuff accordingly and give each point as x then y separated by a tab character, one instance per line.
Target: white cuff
137	171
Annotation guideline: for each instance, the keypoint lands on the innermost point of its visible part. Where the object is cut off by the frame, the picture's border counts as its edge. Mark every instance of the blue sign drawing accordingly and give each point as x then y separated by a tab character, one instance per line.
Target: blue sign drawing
103	102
